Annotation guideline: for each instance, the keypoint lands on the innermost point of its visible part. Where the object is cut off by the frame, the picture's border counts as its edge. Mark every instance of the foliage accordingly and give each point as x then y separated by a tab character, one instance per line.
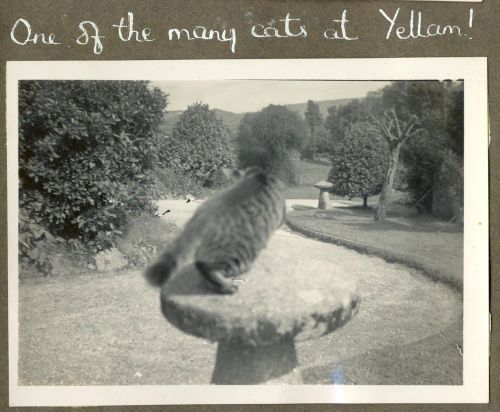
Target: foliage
144	236
454	124
313	116
85	152
170	184
268	138
340	118
396	133
198	146
439	107
449	194
36	244
321	147
359	165
314	121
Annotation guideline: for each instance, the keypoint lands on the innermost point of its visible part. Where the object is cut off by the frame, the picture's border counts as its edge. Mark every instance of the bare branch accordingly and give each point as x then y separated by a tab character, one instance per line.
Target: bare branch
409	125
398	125
412	132
383	128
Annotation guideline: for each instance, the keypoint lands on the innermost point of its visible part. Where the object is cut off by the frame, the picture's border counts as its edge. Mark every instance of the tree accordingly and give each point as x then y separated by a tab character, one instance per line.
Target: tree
439	108
454	125
198	146
339	119
396	132
359	164
86	152
268	138
313	119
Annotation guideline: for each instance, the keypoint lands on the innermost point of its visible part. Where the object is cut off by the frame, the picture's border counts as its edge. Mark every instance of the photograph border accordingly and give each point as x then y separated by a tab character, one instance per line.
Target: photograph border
473	70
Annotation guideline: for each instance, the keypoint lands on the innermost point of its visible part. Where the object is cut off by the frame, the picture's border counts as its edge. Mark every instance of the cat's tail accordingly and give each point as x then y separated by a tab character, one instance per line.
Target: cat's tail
159	272
179	253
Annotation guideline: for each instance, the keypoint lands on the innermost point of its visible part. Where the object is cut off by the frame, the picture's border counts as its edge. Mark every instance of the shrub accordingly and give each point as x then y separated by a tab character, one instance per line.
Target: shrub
269	138
448	194
169	184
198	146
36	244
144	236
422	157
85	150
359	164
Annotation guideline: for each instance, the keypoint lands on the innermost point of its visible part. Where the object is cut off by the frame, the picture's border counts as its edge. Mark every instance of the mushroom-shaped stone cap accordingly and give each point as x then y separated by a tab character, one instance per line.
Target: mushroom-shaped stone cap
323	184
280	299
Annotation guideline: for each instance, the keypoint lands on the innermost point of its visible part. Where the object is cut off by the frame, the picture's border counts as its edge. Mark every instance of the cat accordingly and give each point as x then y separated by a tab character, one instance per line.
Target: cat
227	232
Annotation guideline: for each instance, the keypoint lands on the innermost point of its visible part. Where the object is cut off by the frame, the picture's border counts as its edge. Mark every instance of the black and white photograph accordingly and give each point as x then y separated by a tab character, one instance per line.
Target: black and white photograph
256	231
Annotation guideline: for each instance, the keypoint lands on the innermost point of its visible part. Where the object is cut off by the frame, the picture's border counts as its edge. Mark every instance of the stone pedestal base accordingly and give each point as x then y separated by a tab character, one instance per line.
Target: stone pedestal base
324	200
285	299
240	364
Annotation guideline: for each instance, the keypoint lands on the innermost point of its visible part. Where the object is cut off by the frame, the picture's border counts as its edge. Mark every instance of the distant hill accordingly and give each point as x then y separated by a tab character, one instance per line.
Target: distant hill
232	120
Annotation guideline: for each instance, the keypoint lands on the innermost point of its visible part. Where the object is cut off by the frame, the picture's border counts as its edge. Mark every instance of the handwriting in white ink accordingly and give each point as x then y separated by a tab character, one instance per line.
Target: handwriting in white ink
126	31
23	37
202	33
415	27
333	34
84	38
288	29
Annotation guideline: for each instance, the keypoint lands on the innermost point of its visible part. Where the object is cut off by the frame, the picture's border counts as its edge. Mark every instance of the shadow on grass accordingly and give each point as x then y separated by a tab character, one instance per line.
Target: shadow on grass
392	225
363	219
302	207
410	364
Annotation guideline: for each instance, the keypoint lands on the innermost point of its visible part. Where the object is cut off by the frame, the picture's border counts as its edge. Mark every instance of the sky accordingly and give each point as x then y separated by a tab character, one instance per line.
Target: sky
240	96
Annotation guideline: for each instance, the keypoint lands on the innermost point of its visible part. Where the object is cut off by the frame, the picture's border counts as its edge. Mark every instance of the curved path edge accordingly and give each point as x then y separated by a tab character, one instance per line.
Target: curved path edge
433	274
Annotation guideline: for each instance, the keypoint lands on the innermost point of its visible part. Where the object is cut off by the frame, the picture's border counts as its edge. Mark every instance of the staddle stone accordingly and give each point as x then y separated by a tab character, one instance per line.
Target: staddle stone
324	195
279	298
279	301
323	184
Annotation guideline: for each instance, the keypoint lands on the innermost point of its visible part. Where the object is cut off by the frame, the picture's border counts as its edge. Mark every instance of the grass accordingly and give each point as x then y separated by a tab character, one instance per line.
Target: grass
421	242
412	363
308	173
107	329
98	329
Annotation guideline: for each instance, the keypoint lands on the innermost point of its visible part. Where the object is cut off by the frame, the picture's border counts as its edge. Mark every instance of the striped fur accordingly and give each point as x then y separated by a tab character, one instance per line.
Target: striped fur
226	233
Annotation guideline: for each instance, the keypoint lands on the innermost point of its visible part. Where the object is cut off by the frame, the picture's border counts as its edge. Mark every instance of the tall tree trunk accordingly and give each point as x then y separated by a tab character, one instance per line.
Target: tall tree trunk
365	201
395	132
385	195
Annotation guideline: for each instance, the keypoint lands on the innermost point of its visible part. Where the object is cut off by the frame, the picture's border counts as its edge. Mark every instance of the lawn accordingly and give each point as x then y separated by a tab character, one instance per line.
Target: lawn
420	241
308	173
107	329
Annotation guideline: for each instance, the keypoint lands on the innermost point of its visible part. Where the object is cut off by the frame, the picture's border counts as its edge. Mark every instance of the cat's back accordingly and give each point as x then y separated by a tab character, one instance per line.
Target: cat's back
241	218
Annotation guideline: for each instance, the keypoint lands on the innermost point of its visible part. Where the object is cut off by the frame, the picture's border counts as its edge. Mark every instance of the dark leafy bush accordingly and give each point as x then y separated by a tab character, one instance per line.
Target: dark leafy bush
448	199
439	108
198	146
169	184
269	138
359	163
85	152
36	244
